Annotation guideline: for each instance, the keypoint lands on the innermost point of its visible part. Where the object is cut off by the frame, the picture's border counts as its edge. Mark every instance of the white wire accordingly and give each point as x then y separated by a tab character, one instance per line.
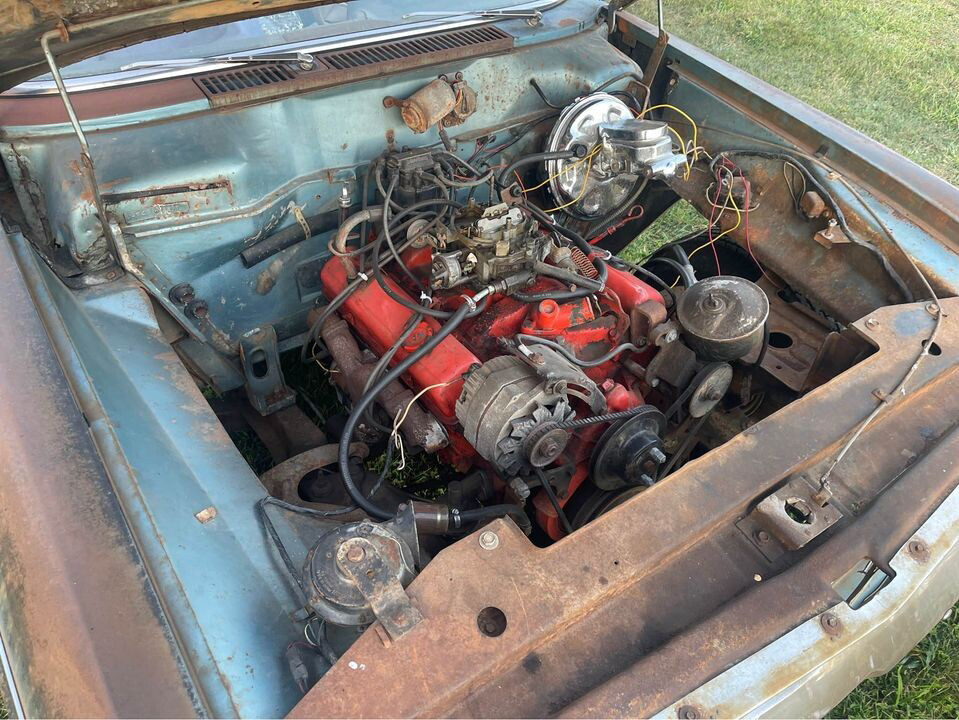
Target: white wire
401	416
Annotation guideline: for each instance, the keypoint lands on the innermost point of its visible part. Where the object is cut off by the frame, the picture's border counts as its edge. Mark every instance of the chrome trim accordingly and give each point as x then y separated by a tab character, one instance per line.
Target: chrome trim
335	42
13	694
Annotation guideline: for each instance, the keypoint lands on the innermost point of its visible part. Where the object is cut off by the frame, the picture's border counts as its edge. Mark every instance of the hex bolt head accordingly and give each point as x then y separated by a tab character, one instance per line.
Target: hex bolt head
488	540
831	624
762	536
872	323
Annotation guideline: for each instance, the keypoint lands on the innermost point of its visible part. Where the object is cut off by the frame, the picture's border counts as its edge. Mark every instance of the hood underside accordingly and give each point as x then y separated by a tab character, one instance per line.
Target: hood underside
82	28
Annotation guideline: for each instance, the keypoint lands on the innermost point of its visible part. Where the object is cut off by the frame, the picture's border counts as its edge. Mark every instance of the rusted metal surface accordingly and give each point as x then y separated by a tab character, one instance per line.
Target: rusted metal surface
795	340
418	426
917	197
78	615
282	481
658	595
336	67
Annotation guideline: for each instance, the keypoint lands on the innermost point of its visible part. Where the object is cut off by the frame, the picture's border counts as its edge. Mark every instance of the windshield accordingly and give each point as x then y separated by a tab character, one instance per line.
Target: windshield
283	29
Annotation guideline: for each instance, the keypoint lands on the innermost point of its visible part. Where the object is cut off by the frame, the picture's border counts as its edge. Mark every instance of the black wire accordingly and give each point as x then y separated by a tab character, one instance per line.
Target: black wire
367	505
685	275
385	232
275	536
504	179
554	501
542	95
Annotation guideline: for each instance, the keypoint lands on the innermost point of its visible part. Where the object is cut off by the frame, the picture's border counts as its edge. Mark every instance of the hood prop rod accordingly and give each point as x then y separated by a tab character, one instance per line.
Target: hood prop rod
62	34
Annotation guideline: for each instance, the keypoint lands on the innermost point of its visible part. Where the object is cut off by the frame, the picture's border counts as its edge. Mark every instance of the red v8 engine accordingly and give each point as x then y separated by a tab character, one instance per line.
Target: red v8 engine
501	339
509	382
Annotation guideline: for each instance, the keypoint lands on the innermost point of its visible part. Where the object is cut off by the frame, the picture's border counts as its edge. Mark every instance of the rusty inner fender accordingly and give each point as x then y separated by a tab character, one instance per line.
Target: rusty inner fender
663	592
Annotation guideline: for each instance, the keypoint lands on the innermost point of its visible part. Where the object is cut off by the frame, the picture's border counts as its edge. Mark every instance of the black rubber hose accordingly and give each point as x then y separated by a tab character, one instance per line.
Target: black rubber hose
688	278
503	179
577	240
365	504
496	511
287	237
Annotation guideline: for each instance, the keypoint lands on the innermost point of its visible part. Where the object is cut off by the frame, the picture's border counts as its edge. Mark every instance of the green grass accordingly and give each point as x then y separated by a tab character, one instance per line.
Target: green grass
890	70
887	68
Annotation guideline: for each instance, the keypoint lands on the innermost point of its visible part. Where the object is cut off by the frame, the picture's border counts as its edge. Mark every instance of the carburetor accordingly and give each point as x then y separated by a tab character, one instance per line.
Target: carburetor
501	242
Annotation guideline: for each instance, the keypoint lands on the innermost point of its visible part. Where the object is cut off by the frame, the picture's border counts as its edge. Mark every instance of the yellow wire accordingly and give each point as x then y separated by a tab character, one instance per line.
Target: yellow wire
688	119
682	144
739	219
582	192
566	168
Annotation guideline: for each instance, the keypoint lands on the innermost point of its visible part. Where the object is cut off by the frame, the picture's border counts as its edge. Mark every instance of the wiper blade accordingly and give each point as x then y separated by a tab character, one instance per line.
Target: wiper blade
304	60
532	15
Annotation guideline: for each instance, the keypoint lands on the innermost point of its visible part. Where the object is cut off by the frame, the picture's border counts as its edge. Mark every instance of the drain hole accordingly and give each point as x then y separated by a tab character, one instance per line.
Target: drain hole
491	621
780	340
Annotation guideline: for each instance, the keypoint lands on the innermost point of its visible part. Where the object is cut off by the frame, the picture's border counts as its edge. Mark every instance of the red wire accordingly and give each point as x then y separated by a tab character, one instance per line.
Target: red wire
749	247
712	214
617	226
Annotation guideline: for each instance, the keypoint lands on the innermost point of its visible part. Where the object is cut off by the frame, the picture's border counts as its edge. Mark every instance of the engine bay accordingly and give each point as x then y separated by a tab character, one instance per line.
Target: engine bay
473	321
389	348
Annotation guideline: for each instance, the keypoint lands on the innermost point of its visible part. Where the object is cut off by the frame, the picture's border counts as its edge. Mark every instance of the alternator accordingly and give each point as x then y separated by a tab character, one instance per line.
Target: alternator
503	404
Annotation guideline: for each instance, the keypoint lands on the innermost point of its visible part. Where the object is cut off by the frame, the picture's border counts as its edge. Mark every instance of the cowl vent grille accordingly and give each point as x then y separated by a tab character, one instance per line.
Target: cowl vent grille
335	67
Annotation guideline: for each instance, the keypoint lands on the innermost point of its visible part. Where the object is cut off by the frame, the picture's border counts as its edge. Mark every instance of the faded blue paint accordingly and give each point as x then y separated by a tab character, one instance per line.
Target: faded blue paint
225	592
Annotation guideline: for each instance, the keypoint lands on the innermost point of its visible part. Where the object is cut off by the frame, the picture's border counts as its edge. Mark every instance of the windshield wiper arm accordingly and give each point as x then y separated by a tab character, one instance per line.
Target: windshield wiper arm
532	15
304	60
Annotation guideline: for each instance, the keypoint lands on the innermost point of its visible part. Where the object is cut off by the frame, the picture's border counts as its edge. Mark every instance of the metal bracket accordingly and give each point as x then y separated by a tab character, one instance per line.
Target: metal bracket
791	516
359	560
265	386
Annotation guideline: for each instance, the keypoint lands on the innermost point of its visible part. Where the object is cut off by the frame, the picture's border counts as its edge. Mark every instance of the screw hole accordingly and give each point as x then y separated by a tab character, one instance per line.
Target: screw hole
491	621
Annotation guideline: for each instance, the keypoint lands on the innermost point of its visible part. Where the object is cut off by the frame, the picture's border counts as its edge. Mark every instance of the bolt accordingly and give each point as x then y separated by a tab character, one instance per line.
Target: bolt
872	323
520	487
688	712
488	540
646	480
932	309
653	382
830	623
365	529
762	536
657	455
355	554
182	293
918	549
537	358
197	309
